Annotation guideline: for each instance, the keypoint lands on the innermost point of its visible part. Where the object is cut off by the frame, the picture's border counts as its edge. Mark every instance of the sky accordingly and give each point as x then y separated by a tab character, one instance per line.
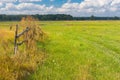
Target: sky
72	7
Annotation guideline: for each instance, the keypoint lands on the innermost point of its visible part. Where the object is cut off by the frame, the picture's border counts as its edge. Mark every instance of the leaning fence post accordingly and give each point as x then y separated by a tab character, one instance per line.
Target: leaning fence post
16	44
15	41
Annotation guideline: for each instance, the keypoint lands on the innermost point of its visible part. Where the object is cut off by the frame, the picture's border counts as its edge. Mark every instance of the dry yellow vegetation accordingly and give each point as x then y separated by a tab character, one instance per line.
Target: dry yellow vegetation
19	66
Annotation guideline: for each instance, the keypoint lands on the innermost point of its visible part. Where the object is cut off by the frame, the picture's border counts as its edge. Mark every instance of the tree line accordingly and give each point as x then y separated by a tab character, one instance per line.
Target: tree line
54	17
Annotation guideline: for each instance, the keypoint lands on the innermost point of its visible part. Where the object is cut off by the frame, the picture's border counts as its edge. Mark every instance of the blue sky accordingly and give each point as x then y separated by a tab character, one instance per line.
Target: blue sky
72	7
56	3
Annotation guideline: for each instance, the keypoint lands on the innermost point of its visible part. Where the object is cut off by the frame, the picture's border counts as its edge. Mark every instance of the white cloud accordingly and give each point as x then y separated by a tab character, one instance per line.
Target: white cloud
5	1
29	6
89	7
1	4
85	8
115	2
29	0
25	8
10	1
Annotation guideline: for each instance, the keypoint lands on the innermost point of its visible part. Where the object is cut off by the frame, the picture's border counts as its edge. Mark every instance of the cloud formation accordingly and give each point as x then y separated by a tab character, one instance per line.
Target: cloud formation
1	4
89	7
25	8
84	8
29	0
9	1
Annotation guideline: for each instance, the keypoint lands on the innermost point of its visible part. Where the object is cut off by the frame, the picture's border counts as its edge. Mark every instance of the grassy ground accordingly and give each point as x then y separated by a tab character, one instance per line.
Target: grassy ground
88	50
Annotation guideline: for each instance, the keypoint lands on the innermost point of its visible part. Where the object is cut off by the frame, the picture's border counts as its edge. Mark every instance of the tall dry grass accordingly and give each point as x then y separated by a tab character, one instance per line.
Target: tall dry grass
25	62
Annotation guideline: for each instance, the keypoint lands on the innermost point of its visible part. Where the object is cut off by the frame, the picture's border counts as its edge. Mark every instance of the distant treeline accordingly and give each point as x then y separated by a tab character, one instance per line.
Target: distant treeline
54	17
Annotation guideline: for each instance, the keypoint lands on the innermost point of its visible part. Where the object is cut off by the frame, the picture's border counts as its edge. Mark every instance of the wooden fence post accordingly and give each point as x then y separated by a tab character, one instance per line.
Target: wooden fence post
17	36
15	41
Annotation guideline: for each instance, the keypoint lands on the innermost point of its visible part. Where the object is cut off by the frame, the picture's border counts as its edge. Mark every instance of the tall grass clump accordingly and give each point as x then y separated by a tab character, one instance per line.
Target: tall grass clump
19	66
34	34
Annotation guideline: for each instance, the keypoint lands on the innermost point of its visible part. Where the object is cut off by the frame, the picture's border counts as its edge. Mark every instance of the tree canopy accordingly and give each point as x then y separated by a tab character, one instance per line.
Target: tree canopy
54	17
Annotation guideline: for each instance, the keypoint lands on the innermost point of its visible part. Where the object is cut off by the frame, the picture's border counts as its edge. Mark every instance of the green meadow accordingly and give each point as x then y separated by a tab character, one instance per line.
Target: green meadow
78	50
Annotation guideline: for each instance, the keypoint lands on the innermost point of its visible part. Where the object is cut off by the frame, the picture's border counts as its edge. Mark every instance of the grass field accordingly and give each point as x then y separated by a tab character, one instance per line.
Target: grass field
80	50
